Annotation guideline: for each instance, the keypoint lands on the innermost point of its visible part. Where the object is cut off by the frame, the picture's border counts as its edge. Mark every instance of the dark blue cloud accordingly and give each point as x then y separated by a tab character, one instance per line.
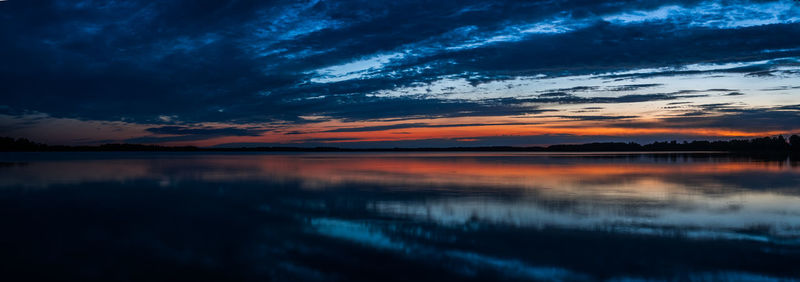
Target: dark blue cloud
727	115
184	133
418	125
588	117
563	98
182	130
262	61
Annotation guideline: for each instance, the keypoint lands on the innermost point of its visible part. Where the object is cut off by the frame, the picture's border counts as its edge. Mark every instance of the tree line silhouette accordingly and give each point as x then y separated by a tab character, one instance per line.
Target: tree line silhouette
773	144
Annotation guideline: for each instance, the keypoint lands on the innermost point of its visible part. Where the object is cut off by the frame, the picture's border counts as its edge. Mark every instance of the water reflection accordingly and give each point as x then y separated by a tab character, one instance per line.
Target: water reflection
454	216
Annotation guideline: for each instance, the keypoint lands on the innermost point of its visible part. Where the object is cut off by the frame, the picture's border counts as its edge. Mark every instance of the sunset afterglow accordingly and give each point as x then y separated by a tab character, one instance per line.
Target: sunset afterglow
320	73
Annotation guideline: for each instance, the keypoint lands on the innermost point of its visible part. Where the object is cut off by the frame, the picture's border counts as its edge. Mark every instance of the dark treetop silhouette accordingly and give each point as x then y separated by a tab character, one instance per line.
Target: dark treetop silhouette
772	144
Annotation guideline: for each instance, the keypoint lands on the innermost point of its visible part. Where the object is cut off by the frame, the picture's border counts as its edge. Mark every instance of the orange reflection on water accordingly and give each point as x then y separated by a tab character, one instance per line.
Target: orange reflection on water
520	188
565	174
498	170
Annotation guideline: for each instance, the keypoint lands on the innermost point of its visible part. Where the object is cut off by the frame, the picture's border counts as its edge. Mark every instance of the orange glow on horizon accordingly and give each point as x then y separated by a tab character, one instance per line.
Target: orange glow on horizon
472	133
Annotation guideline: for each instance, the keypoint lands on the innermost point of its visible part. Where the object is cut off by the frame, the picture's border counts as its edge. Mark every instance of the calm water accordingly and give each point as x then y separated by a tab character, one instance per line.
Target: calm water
398	216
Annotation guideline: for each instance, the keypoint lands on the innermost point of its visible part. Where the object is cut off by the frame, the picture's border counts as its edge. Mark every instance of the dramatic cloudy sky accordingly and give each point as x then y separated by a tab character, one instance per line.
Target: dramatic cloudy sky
397	73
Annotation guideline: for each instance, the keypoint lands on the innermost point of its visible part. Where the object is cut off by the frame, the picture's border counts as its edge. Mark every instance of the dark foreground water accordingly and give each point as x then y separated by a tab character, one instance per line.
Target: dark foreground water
398	217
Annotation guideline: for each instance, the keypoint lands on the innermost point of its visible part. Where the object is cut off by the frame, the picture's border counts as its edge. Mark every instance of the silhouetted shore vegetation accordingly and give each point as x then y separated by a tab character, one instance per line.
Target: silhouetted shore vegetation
765	144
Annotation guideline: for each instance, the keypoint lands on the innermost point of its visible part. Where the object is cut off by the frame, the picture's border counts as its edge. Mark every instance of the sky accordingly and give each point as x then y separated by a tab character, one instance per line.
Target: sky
362	74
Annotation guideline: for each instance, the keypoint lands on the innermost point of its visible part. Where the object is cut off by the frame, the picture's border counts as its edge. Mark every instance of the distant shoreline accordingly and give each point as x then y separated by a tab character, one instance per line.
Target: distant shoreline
777	144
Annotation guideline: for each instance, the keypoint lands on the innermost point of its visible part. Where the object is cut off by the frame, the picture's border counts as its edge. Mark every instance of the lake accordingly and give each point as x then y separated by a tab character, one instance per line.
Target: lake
399	216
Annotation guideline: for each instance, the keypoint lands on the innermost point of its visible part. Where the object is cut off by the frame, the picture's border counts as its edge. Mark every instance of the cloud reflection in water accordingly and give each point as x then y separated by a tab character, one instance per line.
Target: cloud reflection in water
430	215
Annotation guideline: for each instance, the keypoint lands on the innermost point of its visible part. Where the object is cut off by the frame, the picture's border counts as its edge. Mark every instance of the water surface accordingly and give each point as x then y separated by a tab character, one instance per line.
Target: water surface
399	216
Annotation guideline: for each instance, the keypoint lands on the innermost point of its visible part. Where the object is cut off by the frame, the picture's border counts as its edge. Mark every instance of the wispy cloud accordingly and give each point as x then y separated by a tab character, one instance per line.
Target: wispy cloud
178	66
